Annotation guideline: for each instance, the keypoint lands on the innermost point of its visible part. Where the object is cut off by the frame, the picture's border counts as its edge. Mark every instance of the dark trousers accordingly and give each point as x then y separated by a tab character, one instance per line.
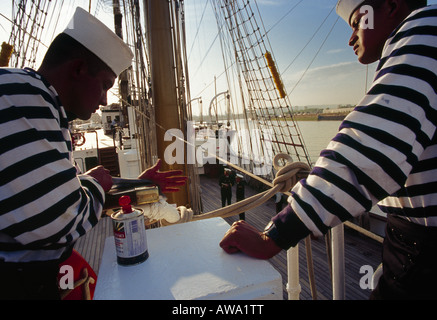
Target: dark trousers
279	205
226	194
30	281
409	262
242	215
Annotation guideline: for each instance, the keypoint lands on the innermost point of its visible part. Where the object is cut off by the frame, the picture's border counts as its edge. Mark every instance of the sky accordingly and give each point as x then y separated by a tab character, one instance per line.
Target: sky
308	41
310	46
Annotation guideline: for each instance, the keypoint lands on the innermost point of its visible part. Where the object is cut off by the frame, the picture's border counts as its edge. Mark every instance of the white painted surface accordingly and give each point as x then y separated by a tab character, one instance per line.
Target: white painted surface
186	262
129	163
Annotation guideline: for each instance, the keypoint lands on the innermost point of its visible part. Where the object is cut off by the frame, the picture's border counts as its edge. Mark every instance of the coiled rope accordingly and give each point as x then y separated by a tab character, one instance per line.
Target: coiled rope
284	180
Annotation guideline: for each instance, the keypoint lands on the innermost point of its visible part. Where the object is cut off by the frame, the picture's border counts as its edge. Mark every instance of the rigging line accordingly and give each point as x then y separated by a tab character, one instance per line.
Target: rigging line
14	31
40	29
42	22
3	16
289	11
283	143
251	47
317	53
34	26
57	18
99	5
206	54
223	46
224	72
23	30
244	43
217	77
6	19
311	39
198	29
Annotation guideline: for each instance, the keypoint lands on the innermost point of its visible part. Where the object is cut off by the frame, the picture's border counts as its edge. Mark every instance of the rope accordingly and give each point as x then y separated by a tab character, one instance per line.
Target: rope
286	178
284	181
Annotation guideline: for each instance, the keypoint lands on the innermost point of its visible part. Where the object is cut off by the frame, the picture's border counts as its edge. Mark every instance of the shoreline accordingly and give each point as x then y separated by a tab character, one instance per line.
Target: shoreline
314	117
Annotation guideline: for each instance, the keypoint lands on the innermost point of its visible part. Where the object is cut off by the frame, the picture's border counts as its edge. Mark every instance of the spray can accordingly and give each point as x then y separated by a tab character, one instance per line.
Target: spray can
129	234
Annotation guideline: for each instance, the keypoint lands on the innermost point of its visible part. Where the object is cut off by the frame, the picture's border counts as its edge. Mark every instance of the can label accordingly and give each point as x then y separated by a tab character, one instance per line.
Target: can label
130	240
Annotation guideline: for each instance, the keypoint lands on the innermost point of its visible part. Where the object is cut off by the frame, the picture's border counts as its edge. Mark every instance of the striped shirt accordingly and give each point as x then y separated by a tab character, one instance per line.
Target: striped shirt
386	149
45	206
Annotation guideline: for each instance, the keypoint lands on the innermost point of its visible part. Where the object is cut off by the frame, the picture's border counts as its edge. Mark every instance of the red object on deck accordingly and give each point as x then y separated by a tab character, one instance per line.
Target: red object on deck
86	290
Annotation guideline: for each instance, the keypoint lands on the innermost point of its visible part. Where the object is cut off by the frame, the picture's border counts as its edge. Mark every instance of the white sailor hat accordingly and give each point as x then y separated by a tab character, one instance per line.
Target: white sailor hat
100	40
239	176
345	8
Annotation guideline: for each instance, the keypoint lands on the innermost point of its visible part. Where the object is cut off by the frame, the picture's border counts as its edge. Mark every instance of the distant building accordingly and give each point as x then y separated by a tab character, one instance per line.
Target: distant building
109	114
339	110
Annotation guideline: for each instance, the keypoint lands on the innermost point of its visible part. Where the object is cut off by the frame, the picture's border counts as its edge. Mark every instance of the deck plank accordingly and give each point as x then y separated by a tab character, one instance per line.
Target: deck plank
359	250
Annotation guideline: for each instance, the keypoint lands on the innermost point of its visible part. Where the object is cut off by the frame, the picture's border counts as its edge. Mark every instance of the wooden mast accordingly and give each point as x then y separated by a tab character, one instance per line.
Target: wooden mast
164	87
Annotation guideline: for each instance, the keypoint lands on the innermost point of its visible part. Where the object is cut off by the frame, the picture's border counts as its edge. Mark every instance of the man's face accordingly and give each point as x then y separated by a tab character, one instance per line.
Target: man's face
367	42
91	92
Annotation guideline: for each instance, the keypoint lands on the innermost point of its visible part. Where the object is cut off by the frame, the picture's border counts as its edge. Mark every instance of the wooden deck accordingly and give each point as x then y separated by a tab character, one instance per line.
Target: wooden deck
359	250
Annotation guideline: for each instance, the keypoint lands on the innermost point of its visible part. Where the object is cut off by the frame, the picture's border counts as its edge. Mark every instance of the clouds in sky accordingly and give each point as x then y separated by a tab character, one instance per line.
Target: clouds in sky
341	83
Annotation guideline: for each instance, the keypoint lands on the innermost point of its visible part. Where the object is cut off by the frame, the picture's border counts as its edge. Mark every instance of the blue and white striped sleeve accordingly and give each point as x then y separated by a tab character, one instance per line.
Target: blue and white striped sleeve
379	144
43	202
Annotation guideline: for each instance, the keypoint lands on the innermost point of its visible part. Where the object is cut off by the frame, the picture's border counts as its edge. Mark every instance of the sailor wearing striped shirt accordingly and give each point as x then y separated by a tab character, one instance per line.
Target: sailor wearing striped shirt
45	205
385	152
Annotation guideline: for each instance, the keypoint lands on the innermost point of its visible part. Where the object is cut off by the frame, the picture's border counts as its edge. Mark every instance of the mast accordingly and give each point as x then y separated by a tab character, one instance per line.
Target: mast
165	86
123	77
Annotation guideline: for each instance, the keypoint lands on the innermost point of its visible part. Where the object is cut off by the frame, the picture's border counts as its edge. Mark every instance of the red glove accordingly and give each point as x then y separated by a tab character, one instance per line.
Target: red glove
168	181
245	238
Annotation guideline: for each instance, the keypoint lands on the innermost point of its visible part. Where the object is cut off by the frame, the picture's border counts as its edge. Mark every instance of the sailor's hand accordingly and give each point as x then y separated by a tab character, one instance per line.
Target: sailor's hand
168	181
102	176
242	237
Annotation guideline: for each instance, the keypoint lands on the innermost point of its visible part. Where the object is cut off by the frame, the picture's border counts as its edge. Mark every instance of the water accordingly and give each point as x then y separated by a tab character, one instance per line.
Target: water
317	134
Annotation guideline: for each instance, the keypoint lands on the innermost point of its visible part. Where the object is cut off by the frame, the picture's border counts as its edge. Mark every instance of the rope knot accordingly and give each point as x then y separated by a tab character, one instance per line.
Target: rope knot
284	181
286	175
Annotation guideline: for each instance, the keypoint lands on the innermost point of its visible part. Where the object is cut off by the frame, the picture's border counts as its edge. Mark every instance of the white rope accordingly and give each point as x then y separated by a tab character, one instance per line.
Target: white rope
285	179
